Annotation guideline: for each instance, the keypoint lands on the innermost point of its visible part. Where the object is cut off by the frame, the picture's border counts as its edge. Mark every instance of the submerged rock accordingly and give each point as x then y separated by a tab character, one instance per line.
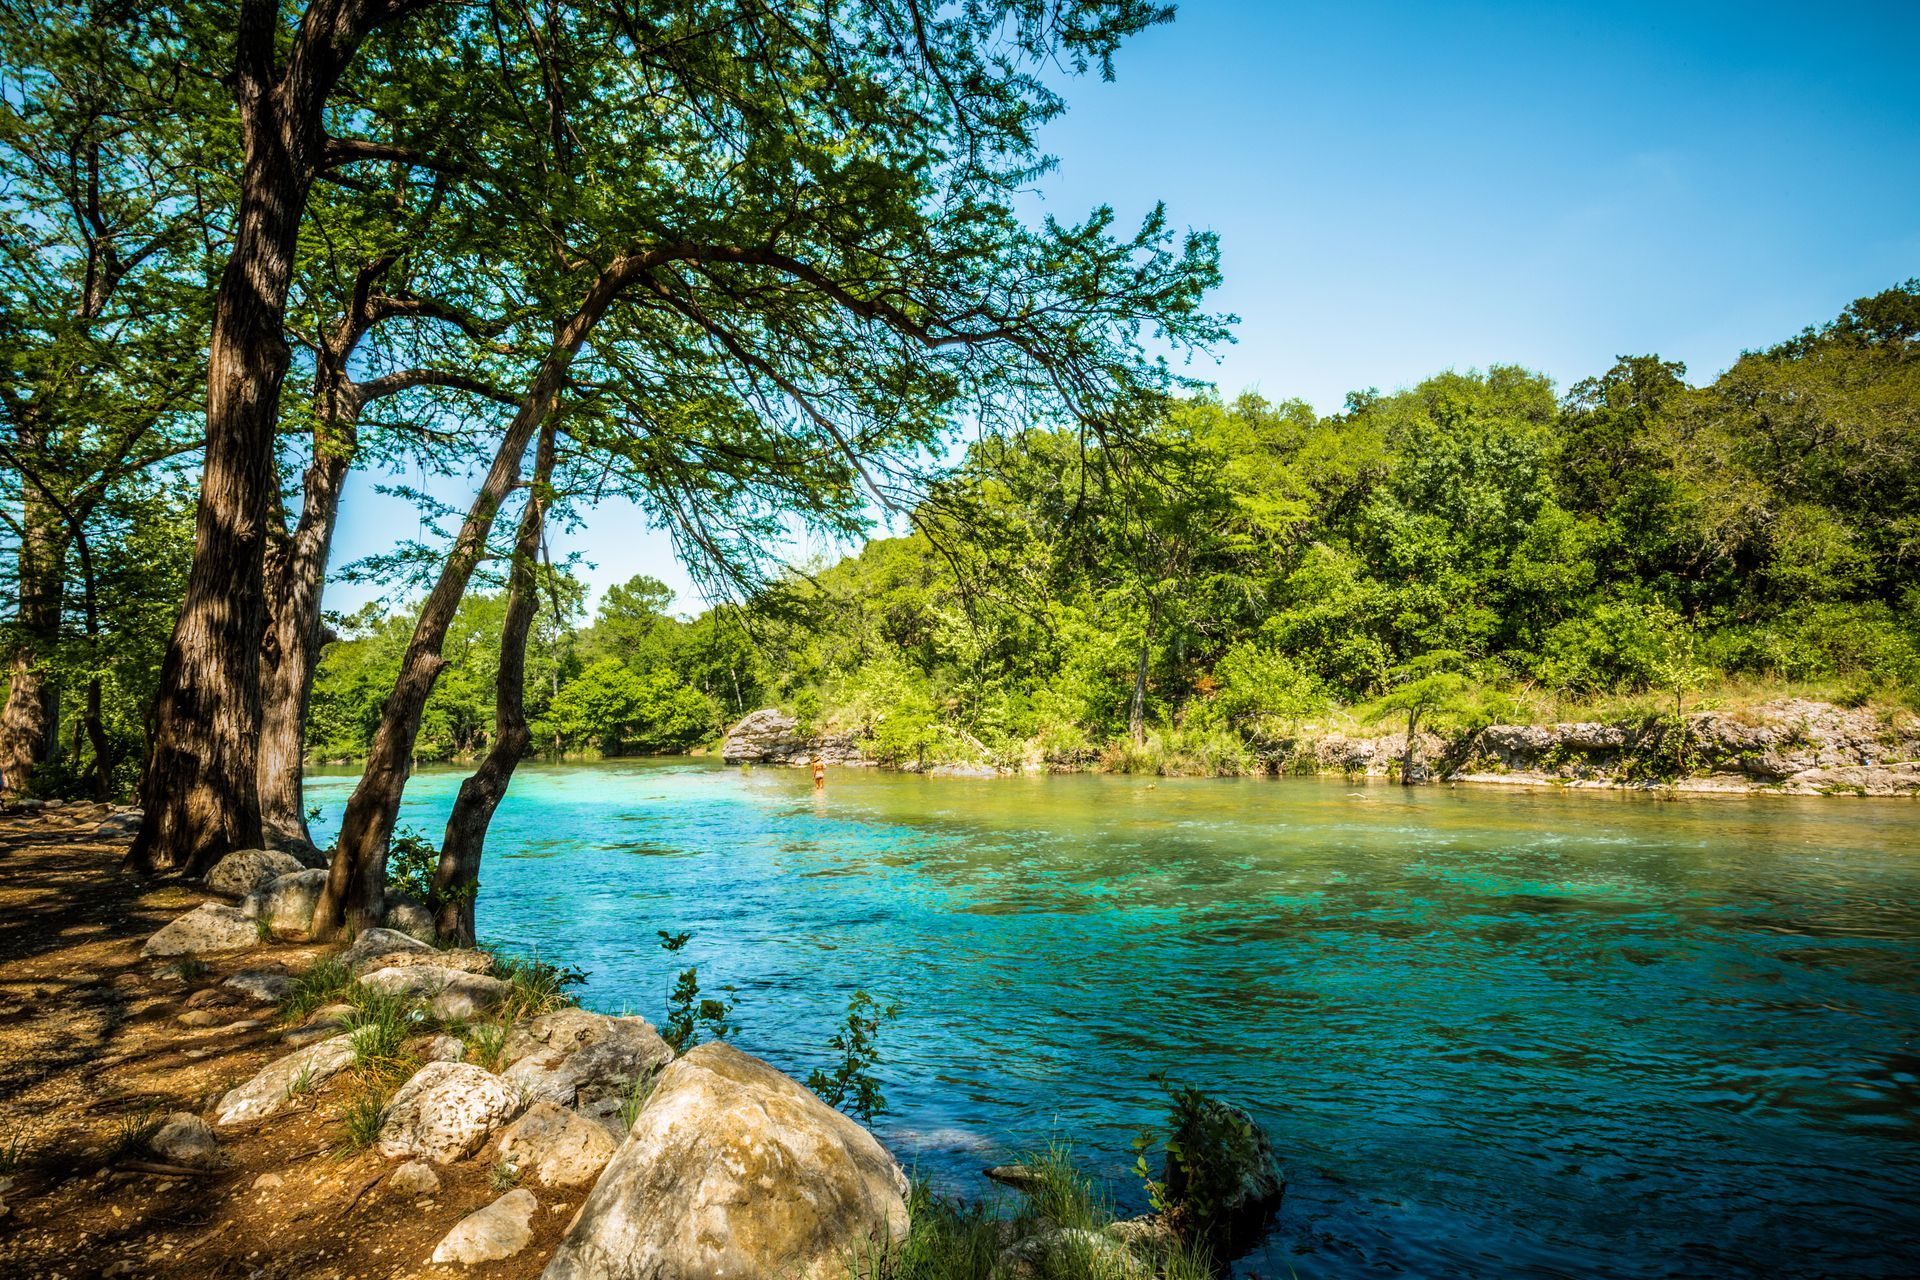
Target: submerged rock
211	926
732	1169
446	1112
245	870
500	1230
276	1083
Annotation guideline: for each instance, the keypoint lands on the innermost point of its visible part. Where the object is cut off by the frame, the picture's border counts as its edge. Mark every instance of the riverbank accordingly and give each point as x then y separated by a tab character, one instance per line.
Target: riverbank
1787	746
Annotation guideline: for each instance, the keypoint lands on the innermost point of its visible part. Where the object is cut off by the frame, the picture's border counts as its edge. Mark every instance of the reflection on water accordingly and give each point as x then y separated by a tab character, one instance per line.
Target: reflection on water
1495	1033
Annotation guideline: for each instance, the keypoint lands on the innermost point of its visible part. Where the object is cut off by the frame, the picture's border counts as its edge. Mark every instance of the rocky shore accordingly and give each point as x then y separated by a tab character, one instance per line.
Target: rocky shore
190	1088
1788	747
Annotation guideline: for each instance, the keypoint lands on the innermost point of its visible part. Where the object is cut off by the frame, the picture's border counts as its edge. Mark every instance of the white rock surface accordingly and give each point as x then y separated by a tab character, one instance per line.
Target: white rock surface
245	870
287	903
267	988
500	1230
556	1147
404	915
573	1058
270	1090
446	1112
414	1178
209	927
732	1169
452	995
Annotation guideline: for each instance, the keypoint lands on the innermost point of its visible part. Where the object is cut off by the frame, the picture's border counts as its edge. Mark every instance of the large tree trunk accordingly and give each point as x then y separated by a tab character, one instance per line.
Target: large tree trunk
30	720
354	898
200	790
456	881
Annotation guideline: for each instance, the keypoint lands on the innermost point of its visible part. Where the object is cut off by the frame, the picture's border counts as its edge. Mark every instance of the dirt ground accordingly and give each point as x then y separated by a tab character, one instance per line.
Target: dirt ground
93	1054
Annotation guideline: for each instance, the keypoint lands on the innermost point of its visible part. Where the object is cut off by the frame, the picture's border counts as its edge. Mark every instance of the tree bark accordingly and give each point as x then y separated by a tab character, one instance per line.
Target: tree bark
456	881
30	720
1137	713
1410	758
354	898
200	789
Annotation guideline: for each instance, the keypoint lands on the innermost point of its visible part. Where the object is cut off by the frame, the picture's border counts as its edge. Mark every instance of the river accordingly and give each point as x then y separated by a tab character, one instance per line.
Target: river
1493	1032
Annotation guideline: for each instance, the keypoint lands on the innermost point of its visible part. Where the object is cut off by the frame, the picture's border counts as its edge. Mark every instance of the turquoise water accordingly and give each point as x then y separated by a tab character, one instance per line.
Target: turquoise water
1494	1033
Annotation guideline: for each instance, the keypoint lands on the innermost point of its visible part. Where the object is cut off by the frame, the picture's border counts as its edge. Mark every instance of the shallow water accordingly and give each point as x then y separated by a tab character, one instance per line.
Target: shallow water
1493	1033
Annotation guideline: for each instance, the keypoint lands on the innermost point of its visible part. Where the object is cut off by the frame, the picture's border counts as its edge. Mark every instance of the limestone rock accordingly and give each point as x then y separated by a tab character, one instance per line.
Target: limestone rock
245	870
186	1139
443	1049
556	1147
613	1057
324	1022
254	984
377	944
211	926
414	1178
452	995
500	1230
287	903
119	826
446	1111
269	1090
305	852
769	736
466	960
404	915
732	1169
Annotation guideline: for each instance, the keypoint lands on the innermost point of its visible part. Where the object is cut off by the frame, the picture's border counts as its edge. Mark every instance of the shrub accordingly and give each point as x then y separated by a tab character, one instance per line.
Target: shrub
411	862
851	1084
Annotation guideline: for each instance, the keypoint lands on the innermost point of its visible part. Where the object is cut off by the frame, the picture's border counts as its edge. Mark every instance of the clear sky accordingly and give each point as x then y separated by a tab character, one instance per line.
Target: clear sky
1405	188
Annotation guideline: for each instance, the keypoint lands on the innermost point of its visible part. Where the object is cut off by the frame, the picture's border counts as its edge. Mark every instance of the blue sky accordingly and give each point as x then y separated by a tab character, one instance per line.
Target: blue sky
1405	188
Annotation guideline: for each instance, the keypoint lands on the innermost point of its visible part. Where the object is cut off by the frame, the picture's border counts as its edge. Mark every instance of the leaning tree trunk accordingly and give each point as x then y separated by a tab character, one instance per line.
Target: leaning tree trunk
1410	757
200	789
1137	712
354	898
456	881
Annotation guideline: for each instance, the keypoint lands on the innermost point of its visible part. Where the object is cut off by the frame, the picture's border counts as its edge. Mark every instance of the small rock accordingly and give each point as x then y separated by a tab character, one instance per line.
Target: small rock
287	903
414	1178
500	1230
186	1139
267	988
204	1017
446	1111
443	1049
267	1181
1021	1177
377	943
557	1147
404	915
245	870
211	926
275	1083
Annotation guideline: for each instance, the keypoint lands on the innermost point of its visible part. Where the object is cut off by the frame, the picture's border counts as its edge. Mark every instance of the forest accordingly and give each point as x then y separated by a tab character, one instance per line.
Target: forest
1258	566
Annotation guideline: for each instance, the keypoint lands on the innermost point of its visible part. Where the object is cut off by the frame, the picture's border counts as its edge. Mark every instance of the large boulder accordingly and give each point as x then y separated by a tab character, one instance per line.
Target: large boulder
270	1089
186	1139
287	902
498	1231
451	995
211	926
446	1112
732	1169
1221	1174
245	870
573	1058
556	1147
377	944
404	915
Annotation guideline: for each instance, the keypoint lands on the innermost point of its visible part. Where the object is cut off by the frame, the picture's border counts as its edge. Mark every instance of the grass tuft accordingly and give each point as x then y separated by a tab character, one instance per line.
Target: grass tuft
536	987
322	984
486	1044
366	1113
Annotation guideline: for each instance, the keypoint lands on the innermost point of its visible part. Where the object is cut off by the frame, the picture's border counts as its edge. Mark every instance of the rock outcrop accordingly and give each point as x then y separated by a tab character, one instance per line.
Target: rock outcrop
769	736
573	1058
732	1169
445	1112
376	944
209	927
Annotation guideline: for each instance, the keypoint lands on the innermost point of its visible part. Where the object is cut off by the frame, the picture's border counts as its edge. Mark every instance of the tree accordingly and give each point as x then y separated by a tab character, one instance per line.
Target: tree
1430	687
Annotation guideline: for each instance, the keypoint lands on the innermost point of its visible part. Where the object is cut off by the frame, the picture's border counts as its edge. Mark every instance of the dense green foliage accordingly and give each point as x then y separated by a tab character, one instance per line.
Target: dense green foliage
1453	549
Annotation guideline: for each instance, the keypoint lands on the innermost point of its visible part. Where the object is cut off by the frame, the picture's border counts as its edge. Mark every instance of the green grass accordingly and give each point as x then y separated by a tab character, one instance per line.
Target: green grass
381	1022
503	1176
132	1132
190	968
486	1044
322	984
365	1114
14	1155
536	987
